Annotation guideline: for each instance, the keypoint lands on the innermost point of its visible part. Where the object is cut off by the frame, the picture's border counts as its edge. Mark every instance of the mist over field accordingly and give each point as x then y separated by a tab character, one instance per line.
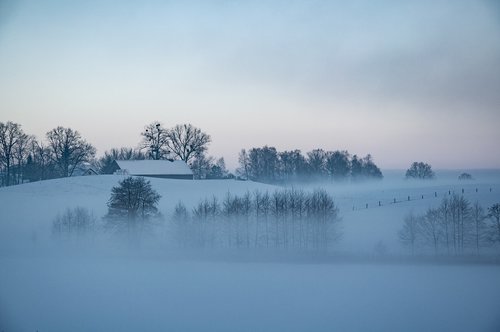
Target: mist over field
365	280
295	165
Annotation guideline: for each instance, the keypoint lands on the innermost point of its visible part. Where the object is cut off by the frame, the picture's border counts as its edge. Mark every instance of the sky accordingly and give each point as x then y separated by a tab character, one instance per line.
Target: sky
401	80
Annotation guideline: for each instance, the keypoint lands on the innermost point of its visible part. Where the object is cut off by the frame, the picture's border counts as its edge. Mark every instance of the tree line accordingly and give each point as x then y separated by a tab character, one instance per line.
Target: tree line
455	227
64	152
284	219
268	165
24	158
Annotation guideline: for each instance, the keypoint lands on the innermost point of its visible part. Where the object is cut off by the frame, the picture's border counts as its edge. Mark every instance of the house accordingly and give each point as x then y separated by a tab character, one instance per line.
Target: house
84	169
166	169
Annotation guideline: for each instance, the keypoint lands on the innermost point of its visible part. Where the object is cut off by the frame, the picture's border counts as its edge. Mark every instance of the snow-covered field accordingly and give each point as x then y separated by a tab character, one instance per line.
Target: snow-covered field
47	286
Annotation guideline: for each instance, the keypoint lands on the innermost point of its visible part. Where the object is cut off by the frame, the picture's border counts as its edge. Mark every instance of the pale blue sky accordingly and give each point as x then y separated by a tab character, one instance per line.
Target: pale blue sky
402	80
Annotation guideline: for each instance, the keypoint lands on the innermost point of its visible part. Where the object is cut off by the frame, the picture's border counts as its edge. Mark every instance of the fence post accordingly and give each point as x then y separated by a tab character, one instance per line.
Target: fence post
408	197
462	190
367	205
435	194
379	203
394	200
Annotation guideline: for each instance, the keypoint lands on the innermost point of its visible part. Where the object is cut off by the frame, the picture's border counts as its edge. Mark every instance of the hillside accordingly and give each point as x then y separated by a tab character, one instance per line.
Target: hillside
91	289
29	209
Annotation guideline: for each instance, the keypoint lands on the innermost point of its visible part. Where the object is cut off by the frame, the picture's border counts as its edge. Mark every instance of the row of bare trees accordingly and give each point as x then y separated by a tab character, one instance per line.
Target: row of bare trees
24	158
284	219
64	152
455	227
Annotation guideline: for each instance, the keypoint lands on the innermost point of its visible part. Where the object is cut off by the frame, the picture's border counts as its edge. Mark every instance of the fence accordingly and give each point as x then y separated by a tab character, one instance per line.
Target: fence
370	203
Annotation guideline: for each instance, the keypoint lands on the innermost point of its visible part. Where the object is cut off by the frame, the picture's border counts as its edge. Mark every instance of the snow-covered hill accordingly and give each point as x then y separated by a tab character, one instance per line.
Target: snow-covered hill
68	290
29	209
369	214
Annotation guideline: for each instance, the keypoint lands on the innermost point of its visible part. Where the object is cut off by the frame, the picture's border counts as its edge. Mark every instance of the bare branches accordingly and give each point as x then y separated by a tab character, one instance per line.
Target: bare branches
184	142
12	140
285	219
455	227
68	149
154	141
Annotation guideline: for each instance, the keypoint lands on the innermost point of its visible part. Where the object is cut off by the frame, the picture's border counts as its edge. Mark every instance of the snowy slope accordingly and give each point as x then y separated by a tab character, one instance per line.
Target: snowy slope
28	210
32	203
64	290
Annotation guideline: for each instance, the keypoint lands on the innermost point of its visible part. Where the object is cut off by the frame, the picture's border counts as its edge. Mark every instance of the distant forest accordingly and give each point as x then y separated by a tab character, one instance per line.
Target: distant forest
266	164
64	153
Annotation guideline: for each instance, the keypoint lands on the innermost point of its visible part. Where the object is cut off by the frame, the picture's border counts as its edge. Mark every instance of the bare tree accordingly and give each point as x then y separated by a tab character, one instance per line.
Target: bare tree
181	223
494	214
244	162
430	228
201	166
269	219
77	221
478	217
68	149
317	160
155	141
105	163
186	141
338	164
10	135
21	154
408	234
38	164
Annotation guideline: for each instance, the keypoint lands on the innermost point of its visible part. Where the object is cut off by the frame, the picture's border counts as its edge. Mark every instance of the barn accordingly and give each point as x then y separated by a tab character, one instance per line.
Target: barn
176	169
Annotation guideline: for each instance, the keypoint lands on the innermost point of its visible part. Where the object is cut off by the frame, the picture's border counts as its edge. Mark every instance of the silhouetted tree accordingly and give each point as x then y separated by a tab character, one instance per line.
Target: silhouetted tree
409	233
21	155
11	135
430	228
356	167
218	170
264	164
105	163
316	160
420	170
494	215
68	150
478	217
338	164
132	200
202	166
186	142
293	165
155	141
369	169
39	165
465	176
244	161
77	221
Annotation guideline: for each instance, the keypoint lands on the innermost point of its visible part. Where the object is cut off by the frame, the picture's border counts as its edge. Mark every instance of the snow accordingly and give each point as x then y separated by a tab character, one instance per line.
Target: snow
51	286
154	167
